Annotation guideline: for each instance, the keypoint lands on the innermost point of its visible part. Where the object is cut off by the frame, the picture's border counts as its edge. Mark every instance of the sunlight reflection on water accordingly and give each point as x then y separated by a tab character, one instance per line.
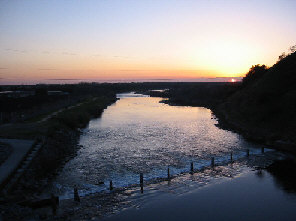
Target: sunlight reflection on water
138	134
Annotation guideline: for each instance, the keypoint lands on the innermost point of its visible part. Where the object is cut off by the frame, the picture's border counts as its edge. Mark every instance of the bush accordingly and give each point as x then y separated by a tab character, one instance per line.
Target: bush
255	72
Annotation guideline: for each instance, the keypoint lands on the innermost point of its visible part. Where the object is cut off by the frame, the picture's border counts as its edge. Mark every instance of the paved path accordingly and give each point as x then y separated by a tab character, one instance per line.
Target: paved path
20	148
5	151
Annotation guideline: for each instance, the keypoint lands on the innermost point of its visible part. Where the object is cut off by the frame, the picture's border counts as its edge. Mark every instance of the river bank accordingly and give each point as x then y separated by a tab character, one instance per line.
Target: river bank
59	144
234	122
255	134
262	107
247	187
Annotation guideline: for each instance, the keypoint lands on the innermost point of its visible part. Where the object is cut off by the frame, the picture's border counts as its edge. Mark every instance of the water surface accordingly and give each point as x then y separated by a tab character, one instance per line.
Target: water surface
252	196
139	134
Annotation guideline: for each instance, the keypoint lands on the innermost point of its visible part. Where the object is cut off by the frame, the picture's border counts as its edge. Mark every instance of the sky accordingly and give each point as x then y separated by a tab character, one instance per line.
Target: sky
56	40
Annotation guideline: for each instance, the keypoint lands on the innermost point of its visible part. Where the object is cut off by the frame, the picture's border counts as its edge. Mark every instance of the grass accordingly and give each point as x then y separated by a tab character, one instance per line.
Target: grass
70	118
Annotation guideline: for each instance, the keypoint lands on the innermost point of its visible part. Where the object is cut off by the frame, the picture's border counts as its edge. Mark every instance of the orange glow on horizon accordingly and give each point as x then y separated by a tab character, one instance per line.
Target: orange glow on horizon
141	39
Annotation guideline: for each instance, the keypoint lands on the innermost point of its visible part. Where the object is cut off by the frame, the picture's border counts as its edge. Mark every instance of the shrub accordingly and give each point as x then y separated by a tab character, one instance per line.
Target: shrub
255	72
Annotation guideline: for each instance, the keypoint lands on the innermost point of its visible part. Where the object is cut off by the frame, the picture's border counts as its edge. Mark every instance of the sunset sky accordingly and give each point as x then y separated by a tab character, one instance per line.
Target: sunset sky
165	39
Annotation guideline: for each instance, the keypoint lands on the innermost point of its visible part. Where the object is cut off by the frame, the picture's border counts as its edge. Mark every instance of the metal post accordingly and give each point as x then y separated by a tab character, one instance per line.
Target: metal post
111	185
191	168
262	150
76	195
231	159
141	182
141	178
248	152
213	162
54	202
169	177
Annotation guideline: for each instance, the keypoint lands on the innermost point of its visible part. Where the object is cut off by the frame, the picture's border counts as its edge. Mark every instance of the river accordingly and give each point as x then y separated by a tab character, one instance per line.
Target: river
140	134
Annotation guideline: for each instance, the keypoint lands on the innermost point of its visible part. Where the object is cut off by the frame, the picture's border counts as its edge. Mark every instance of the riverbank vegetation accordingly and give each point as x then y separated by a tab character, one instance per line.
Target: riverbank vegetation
266	106
262	107
59	137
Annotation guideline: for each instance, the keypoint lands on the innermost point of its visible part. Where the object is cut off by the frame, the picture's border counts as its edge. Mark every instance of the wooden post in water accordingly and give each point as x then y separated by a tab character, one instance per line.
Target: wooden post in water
111	185
191	168
169	177
248	152
213	162
54	202
231	159
141	182
262	150
76	195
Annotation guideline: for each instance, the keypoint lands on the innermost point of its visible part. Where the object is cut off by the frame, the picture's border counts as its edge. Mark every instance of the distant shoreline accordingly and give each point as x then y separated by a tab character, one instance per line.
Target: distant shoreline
100	81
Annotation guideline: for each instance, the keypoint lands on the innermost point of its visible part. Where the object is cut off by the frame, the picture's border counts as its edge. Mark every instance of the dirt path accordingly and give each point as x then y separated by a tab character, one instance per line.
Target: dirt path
57	112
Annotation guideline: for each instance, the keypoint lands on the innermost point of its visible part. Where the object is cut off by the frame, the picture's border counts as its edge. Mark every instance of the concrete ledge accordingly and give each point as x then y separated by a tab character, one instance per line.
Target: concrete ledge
20	149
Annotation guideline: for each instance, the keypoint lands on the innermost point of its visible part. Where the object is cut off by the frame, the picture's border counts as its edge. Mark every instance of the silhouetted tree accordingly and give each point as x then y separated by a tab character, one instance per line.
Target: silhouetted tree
255	72
282	56
293	48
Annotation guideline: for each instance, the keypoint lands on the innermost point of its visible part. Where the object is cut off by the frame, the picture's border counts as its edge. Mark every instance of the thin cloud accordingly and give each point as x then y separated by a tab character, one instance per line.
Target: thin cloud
161	79
64	79
15	50
132	70
47	69
2	68
140	70
118	56
68	53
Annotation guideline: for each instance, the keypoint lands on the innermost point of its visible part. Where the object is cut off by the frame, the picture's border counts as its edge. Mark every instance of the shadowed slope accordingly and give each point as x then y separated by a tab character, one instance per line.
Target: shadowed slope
267	106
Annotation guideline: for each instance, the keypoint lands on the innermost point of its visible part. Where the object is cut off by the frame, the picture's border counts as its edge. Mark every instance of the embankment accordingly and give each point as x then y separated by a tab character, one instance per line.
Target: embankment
262	108
60	143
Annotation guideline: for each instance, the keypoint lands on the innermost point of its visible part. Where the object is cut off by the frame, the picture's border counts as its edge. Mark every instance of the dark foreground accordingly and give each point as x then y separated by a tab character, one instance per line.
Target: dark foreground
254	192
252	196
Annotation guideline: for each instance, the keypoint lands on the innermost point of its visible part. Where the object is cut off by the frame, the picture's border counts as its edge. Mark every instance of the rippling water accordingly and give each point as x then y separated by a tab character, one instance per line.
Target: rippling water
139	134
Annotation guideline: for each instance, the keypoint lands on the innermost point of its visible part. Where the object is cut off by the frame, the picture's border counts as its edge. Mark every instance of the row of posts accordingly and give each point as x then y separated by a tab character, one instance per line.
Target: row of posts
77	198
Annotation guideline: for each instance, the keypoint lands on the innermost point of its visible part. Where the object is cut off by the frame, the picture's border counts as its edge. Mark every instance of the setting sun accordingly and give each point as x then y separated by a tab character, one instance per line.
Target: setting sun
108	104
109	40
